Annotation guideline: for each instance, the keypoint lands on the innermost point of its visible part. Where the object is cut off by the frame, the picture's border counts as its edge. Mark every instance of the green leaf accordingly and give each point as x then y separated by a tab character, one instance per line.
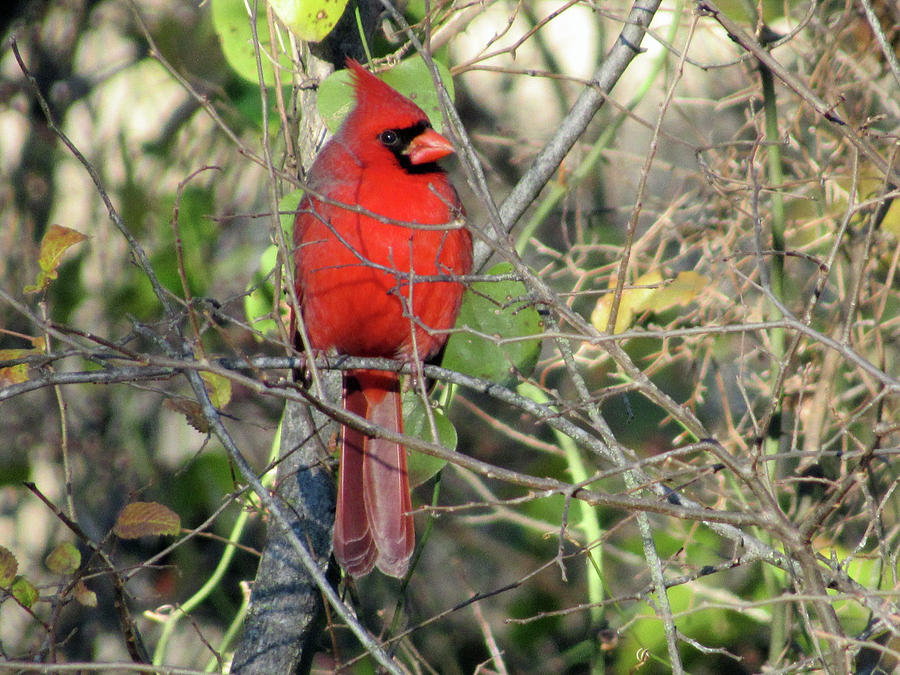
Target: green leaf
198	233
23	591
232	24
422	467
495	308
259	301
309	20
64	559
219	389
410	77
287	209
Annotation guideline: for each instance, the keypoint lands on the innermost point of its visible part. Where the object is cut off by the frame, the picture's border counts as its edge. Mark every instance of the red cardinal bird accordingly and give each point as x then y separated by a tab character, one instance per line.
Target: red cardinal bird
353	280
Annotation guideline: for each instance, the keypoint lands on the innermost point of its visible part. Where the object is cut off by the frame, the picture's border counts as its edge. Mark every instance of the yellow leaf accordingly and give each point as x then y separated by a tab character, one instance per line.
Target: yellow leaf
891	222
648	293
144	519
309	20
57	239
85	595
683	290
13	375
17	373
632	302
219	389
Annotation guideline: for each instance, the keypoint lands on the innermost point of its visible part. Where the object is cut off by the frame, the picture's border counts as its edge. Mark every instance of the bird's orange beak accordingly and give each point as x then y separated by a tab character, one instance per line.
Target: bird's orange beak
429	146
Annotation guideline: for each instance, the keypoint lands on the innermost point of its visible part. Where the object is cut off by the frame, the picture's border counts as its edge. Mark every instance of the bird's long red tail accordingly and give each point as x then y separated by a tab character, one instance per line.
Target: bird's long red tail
372	524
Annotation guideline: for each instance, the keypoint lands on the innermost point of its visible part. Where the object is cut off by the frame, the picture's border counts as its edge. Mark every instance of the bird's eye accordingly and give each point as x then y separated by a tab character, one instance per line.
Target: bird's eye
388	138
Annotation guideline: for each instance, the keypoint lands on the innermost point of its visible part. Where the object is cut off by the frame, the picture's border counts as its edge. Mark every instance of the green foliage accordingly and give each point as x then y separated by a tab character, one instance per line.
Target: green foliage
244	98
500	310
68	292
65	558
260	298
24	591
199	488
197	233
232	25
422	467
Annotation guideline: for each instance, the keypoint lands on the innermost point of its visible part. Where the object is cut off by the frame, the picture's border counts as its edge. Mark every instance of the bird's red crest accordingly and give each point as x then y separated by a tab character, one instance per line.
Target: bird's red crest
376	99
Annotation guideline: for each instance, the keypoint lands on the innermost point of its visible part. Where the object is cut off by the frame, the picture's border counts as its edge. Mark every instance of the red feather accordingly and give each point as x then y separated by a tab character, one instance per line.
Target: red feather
352	279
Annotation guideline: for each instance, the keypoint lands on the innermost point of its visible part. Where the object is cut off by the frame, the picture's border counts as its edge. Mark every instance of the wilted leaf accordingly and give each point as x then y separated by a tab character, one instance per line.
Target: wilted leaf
309	20
85	595
491	308
144	519
64	559
8	567
57	239
192	411
14	374
23	591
